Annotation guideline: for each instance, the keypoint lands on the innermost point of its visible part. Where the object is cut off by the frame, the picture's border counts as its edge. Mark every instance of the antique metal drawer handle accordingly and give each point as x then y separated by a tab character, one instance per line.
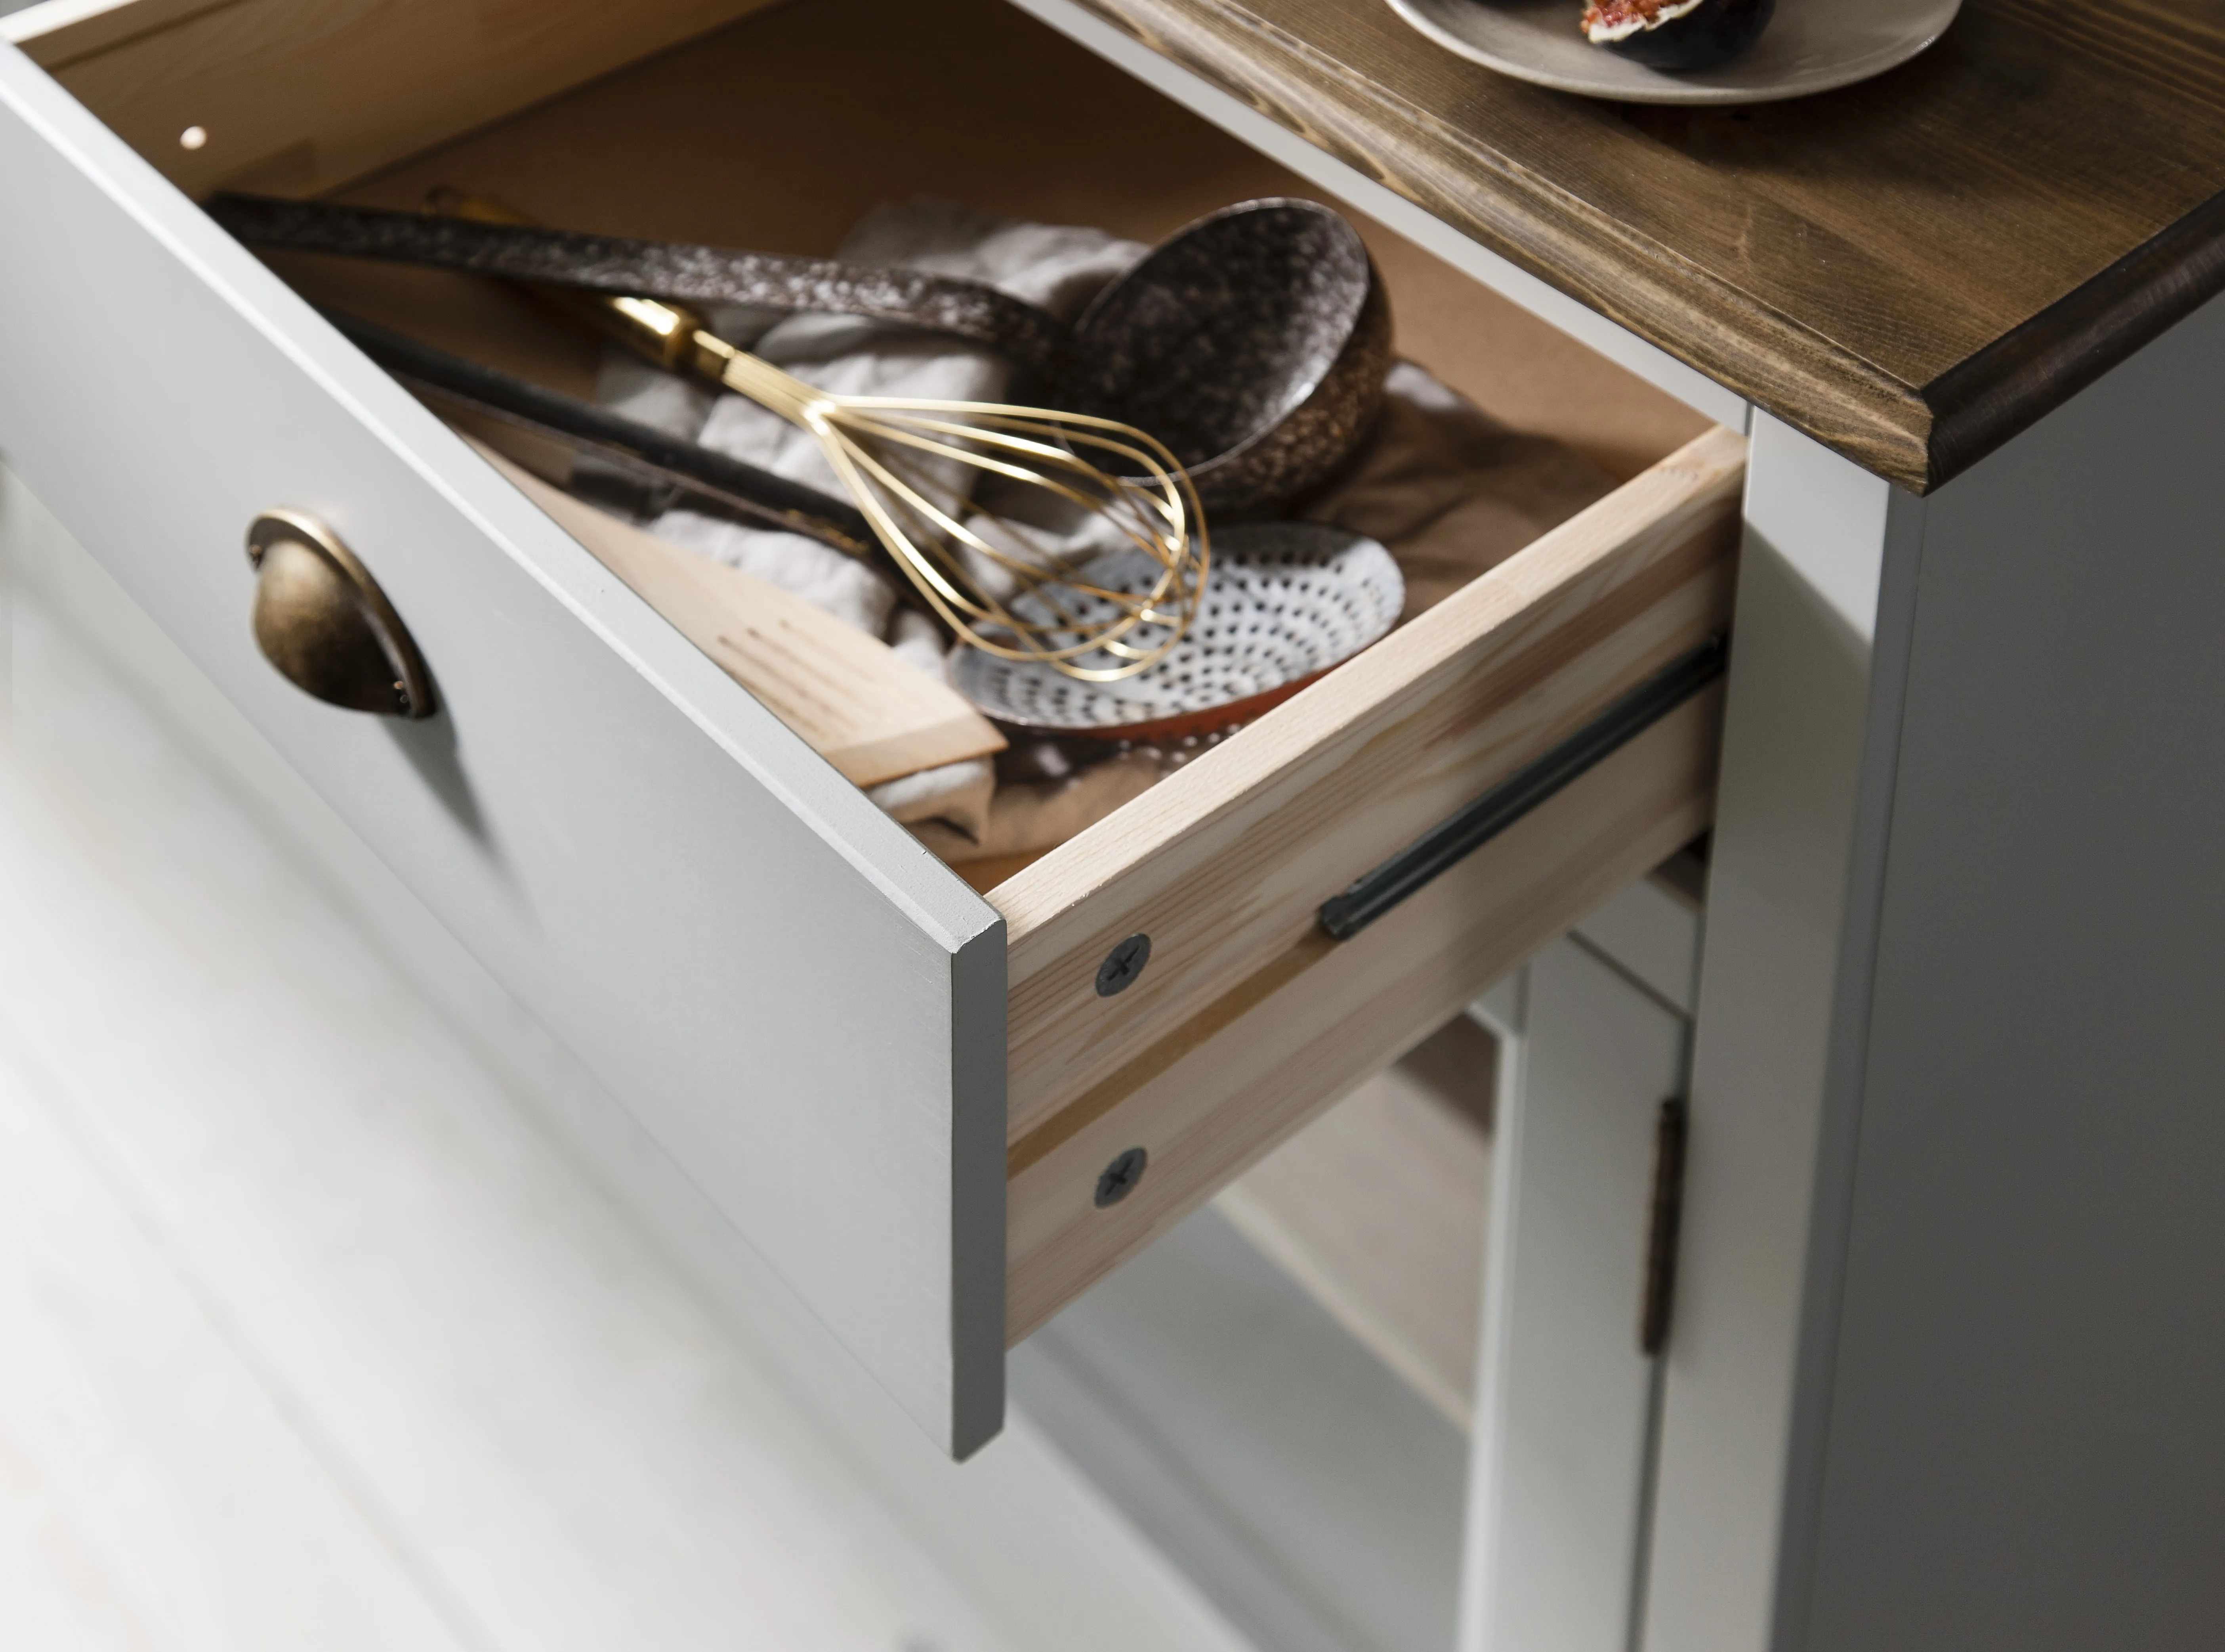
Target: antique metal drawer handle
322	619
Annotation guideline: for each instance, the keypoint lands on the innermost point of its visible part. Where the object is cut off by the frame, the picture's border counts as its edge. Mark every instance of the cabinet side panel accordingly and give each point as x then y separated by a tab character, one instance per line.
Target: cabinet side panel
2025	1432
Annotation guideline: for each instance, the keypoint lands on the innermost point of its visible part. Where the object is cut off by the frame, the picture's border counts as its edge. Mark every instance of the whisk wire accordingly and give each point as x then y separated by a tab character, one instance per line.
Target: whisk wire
1154	512
1037	579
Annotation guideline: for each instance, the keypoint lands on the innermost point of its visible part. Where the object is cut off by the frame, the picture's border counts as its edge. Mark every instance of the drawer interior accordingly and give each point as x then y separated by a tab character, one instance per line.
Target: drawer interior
777	127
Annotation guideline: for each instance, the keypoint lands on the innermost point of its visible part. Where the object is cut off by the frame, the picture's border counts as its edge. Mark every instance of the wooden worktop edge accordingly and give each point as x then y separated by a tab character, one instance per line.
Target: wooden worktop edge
1917	436
2031	371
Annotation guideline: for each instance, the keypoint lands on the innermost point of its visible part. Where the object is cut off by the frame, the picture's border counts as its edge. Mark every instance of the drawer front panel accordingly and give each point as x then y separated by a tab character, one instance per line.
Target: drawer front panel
1246	1018
803	1007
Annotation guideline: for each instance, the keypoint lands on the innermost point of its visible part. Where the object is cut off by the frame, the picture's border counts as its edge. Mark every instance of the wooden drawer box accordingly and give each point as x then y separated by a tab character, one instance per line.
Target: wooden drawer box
903	1092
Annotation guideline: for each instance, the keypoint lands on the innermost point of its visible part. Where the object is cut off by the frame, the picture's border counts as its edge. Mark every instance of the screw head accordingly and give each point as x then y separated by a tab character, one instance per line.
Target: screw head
1119	1178
1123	965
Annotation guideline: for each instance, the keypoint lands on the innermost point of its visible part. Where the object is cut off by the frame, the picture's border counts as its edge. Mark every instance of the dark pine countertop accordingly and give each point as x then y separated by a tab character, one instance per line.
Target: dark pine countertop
1912	270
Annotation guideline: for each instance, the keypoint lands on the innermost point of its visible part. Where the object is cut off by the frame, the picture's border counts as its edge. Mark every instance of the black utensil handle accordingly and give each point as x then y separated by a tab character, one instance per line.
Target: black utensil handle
1444	845
773	499
675	270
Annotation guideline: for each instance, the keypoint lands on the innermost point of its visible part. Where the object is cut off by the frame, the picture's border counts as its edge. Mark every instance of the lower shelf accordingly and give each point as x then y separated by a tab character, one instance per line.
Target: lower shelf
1300	1485
1379	1209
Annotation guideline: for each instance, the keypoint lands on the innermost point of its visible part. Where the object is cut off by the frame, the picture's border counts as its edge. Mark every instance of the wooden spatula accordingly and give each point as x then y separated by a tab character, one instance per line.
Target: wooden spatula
849	695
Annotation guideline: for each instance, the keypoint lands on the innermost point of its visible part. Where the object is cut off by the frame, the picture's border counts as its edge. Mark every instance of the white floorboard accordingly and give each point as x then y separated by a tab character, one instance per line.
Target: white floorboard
151	1494
308	1338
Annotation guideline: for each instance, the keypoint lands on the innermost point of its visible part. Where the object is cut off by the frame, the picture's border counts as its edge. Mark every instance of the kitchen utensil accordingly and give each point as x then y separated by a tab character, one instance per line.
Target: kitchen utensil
1289	601
849	696
885	451
1259	336
767	498
1254	342
450	238
1811	46
880	447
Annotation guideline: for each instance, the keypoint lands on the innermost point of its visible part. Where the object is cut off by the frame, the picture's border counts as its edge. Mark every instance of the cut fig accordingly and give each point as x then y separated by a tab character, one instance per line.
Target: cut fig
1677	35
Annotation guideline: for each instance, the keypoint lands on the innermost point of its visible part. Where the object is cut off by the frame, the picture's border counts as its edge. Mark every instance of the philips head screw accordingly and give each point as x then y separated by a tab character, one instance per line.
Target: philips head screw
1119	1178
1123	965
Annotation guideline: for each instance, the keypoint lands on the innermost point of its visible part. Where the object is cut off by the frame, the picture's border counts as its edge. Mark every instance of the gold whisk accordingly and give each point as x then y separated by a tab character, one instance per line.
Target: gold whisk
1042	607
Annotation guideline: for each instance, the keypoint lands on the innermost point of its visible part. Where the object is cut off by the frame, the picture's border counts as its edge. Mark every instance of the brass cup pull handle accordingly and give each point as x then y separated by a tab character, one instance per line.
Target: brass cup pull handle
322	619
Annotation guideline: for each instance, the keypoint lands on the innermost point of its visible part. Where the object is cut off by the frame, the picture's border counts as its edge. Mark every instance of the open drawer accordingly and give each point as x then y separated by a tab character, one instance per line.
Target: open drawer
908	1096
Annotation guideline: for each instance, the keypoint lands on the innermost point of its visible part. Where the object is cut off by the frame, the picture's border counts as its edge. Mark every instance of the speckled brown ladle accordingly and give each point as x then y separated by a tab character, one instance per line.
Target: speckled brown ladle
1254	342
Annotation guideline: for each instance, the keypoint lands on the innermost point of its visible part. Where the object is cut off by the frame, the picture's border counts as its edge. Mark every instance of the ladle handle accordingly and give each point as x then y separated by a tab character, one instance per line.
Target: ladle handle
679	271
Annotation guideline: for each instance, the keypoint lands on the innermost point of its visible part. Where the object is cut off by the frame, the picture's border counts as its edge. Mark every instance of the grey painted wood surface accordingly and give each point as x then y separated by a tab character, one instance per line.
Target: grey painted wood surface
317	1337
2016	1352
1022	1530
1565	1395
803	1007
1796	717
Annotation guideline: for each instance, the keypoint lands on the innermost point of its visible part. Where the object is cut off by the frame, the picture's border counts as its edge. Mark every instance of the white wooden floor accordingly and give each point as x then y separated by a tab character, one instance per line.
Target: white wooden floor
309	1337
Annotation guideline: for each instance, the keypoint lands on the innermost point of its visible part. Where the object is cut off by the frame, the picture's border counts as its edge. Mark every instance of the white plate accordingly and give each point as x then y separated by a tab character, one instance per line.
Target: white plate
1810	46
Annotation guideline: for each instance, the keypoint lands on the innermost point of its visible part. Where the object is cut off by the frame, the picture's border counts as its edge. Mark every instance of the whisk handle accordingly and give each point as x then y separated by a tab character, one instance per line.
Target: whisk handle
681	271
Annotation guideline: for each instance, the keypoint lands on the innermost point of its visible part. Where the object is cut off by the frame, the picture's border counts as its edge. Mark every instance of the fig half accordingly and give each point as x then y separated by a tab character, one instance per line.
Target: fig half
1677	35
